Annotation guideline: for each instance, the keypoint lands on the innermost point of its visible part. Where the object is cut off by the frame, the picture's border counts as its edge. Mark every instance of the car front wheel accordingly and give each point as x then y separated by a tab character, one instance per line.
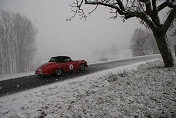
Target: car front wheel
82	67
58	72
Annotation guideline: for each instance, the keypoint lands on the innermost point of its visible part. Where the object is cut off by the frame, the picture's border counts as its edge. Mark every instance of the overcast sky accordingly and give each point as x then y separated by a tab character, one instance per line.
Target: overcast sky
76	38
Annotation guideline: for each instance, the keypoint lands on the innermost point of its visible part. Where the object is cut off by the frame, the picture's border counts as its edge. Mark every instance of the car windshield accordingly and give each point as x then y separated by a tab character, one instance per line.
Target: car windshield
59	60
52	60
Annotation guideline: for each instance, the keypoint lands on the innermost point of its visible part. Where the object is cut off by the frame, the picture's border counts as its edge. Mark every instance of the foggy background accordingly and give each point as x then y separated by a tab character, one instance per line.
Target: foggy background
96	37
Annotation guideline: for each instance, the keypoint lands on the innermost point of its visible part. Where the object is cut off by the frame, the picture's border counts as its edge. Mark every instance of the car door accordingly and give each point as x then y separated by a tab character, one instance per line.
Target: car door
69	65
75	64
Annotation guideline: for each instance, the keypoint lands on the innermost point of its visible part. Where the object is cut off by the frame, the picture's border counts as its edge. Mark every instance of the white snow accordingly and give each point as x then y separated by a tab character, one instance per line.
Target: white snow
14	75
148	91
136	57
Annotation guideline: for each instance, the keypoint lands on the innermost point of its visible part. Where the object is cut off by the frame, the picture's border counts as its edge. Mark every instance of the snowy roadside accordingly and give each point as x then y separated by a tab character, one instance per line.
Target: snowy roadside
145	92
113	60
14	75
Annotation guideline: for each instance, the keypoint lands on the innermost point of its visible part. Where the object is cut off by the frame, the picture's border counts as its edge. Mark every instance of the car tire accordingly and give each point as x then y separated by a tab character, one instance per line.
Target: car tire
58	72
82	67
39	76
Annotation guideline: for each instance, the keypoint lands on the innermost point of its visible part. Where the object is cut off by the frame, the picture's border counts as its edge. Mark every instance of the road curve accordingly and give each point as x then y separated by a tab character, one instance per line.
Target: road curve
28	82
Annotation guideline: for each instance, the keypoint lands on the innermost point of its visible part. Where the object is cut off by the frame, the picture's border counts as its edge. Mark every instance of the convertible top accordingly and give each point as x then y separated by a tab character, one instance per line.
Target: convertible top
59	59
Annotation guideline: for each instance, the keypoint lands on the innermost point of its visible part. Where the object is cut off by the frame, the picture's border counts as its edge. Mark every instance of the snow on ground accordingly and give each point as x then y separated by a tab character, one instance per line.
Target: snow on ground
14	75
128	58
149	91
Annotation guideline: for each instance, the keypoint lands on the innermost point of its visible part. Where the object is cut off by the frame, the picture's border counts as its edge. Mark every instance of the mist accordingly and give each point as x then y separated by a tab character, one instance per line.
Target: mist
80	39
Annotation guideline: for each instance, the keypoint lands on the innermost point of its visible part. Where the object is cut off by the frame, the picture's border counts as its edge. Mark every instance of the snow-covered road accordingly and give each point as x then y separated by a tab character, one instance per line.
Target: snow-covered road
146	92
28	82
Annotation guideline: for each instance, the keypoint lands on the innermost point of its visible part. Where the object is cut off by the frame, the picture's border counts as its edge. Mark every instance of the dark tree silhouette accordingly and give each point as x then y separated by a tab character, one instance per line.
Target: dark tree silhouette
147	11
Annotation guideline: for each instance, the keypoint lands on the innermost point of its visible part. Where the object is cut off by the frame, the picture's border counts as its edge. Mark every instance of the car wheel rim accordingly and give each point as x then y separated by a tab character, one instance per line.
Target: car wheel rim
82	67
58	72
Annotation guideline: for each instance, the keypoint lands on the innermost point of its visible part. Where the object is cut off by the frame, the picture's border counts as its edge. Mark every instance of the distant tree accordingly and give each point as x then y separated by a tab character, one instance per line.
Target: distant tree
171	35
17	42
110	52
147	11
174	28
143	43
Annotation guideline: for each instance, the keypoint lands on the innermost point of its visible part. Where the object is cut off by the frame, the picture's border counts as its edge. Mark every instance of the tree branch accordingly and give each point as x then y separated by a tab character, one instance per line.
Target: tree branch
119	2
120	11
153	13
148	7
162	6
169	20
101	3
171	3
77	10
126	13
154	5
93	9
145	18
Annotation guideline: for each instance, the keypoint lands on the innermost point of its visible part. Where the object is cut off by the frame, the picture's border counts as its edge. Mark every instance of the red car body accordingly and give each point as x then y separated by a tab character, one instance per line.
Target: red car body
60	62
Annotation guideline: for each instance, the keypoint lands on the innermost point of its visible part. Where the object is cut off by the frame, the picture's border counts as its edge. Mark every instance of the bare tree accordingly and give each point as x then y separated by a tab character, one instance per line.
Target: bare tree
173	29
110	52
25	36
17	42
138	43
143	43
147	11
171	35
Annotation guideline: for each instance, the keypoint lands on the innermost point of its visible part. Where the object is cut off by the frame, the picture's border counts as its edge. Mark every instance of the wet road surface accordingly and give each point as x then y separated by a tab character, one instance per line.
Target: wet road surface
28	82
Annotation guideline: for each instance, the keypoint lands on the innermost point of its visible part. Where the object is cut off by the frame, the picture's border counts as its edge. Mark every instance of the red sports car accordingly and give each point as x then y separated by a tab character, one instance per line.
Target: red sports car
58	65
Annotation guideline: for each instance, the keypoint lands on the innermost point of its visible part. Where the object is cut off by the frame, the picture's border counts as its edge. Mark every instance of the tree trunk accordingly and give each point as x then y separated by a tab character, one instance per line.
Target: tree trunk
165	50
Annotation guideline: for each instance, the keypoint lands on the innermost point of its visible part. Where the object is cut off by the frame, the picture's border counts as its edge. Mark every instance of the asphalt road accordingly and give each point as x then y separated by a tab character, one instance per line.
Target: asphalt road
28	82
